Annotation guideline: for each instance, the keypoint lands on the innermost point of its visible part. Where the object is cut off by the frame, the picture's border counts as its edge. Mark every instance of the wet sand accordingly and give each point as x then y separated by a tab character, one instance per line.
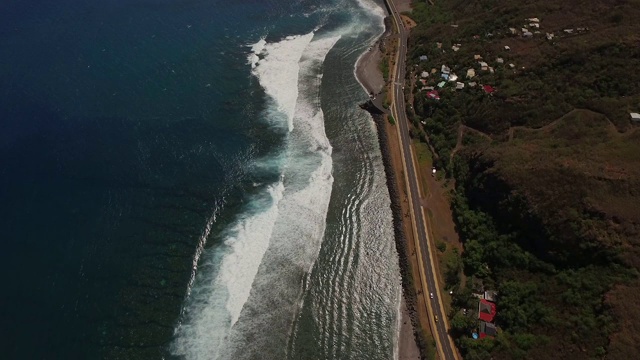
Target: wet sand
368	70
407	347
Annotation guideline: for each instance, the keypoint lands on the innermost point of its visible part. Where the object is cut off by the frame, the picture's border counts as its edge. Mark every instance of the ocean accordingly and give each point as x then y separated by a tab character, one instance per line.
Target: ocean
187	179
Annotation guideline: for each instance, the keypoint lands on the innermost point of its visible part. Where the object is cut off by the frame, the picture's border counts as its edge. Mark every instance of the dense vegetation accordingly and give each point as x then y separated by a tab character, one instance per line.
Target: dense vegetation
546	169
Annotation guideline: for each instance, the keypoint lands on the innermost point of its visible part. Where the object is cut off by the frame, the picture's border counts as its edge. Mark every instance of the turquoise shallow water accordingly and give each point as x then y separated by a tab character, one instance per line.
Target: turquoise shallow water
137	145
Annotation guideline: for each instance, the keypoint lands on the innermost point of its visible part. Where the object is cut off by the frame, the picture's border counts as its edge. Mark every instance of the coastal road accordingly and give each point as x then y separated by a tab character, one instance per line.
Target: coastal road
439	321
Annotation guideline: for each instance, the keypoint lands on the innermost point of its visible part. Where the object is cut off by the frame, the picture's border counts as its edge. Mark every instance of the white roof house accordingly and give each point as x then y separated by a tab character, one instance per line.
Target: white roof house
635	117
500	60
424	74
459	86
535	20
445	69
483	66
453	77
506	47
471	73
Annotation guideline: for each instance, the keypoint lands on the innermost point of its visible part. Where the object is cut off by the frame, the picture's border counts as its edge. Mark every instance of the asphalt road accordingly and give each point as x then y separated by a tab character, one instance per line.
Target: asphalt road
399	113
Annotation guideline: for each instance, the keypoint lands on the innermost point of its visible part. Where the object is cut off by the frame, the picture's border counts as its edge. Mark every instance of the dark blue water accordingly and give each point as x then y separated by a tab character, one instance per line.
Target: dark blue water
137	146
126	126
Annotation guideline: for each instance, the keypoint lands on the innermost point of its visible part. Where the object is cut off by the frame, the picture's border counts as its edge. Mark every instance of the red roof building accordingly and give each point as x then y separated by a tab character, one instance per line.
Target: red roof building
488	89
433	94
486	311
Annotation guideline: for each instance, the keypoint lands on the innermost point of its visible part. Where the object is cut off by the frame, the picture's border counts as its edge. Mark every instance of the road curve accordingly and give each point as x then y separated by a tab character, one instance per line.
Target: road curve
444	344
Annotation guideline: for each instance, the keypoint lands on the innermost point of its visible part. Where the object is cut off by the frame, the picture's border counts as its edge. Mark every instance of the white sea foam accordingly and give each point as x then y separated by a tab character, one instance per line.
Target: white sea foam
216	300
372	8
291	226
278	69
247	247
268	315
255	50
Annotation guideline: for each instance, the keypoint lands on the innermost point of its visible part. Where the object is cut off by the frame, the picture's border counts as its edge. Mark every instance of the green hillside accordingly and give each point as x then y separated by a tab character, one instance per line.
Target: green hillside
546	164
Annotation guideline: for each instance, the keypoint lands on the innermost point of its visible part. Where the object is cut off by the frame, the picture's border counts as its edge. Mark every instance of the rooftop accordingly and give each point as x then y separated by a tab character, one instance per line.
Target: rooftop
486	310
487	329
490	295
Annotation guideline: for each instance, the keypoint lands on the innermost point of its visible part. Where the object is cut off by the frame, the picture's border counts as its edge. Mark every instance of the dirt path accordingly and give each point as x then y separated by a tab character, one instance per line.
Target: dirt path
461	131
612	127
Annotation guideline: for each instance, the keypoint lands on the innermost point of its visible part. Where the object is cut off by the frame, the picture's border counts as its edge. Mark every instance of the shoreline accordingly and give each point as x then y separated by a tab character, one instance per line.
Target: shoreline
368	73
407	322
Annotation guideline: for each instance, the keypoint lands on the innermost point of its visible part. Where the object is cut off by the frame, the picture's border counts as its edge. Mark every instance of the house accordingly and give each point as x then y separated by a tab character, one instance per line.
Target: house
524	30
512	66
483	66
487	329
459	86
423	58
433	94
491	70
445	69
424	74
445	76
486	310
441	84
472	84
535	20
471	73
635	117
506	47
428	88
453	77
455	48
477	57
513	31
568	31
535	25
424	82
550	36
500	60
527	34
490	295
488	89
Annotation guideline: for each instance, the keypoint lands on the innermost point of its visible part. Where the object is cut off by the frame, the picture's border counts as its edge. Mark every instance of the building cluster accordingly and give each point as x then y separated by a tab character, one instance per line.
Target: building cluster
487	312
436	80
532	27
